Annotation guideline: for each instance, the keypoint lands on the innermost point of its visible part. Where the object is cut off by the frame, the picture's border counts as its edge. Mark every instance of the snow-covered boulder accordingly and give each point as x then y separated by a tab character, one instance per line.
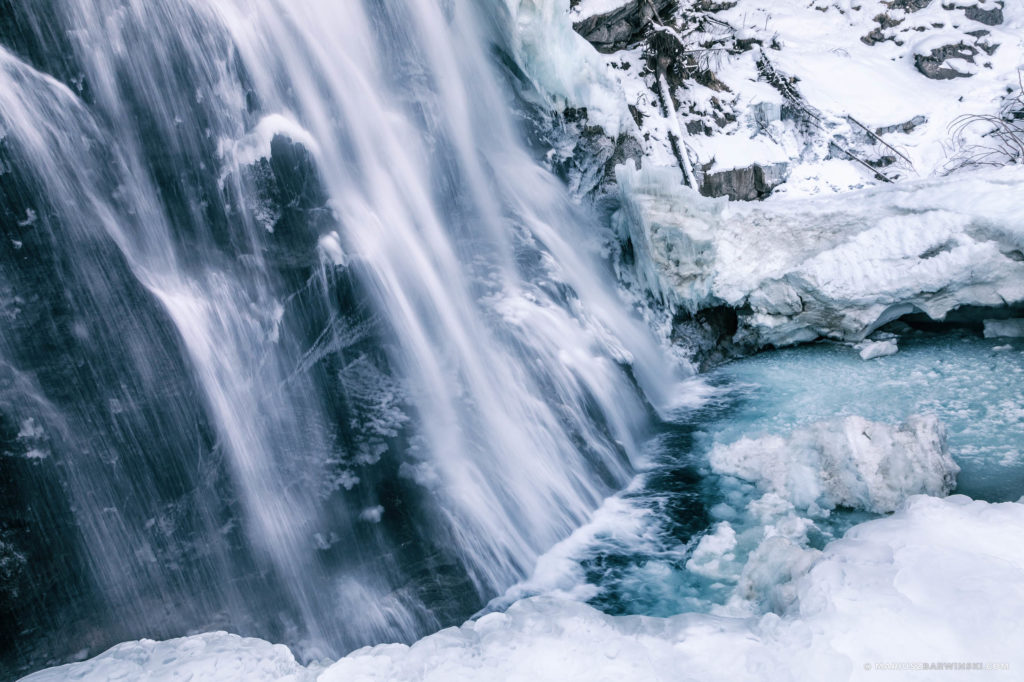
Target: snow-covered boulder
836	266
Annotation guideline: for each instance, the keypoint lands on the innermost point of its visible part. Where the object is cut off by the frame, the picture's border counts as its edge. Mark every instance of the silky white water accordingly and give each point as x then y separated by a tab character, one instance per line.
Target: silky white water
350	348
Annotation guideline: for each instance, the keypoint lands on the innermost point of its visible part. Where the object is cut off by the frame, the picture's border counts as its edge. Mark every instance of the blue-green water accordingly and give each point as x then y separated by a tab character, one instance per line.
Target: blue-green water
974	386
976	390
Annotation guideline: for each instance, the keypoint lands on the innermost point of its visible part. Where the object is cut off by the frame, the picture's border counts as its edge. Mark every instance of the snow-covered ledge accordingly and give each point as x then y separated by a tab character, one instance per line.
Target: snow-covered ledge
836	266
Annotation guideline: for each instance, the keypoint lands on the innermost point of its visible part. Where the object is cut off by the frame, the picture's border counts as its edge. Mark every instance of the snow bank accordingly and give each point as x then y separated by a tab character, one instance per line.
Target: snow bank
837	266
934	584
851	462
883	80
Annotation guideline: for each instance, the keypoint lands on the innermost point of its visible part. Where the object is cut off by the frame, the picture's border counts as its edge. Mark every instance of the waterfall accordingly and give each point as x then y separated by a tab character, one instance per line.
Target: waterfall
299	339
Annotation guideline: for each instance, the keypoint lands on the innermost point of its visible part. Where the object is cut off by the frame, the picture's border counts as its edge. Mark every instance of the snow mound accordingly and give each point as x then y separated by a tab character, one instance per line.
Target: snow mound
838	266
935	584
210	657
851	462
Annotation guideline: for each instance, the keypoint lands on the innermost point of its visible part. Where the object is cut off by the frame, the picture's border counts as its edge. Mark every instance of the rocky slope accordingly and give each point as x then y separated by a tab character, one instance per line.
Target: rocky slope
867	125
801	98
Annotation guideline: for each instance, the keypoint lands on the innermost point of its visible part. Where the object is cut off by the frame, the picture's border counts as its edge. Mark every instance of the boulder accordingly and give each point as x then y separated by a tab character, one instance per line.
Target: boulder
749	183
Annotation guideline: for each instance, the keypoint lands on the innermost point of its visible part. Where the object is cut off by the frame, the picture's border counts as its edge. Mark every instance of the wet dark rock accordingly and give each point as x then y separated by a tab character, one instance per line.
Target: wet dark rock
293	204
708	335
586	155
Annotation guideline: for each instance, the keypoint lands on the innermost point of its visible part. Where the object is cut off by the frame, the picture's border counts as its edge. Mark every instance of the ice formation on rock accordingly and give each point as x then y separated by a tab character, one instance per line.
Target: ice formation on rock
838	266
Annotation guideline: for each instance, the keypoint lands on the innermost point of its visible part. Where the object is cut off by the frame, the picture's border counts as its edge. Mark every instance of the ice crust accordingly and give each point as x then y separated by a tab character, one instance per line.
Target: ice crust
838	266
935	582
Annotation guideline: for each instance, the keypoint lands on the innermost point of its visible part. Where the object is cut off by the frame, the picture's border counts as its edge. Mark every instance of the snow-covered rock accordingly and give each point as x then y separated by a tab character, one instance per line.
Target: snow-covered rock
837	266
935	585
851	462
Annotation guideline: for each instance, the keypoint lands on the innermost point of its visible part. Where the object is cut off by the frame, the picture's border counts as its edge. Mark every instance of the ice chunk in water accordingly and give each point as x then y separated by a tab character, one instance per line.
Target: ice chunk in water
851	462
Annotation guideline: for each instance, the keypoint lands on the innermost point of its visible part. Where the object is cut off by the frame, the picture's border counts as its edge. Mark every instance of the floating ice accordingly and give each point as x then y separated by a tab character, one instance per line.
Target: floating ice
851	463
974	386
869	350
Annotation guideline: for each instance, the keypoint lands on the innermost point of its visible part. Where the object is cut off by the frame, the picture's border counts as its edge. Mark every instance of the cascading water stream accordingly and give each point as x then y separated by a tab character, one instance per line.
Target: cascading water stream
317	350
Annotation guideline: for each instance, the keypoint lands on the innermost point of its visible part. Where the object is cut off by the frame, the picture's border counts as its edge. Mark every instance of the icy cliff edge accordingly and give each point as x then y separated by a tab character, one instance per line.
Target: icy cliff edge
836	266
